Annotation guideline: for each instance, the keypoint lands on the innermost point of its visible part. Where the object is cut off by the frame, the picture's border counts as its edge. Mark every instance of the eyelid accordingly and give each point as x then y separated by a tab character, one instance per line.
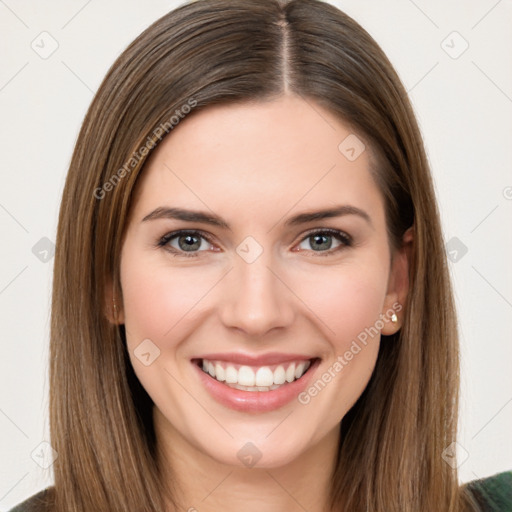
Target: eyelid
345	239
335	232
164	240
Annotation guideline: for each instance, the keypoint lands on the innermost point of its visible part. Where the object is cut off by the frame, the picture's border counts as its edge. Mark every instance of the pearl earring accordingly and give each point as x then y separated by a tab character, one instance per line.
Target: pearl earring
394	318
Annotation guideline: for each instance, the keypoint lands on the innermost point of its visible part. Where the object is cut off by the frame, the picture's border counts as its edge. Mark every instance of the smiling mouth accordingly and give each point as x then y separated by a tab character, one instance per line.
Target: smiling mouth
255	378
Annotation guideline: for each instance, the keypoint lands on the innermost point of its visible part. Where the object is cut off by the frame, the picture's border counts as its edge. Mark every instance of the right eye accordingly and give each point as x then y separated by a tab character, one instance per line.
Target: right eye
185	242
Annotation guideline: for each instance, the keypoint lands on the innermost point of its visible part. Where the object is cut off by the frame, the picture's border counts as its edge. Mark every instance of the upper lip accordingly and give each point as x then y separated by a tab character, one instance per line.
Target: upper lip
255	360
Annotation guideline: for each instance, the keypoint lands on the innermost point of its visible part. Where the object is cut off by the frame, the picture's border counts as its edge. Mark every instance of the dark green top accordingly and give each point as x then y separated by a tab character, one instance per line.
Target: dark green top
493	493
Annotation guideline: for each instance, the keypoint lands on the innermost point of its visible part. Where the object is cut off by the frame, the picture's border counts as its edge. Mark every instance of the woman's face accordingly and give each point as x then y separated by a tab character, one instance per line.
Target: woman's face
253	278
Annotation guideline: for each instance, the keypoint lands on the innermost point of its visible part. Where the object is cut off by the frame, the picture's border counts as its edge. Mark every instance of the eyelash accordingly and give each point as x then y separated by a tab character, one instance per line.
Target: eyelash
345	239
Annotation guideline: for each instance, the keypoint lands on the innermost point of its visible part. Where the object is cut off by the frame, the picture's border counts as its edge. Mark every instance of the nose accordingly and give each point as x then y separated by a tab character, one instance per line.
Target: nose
256	298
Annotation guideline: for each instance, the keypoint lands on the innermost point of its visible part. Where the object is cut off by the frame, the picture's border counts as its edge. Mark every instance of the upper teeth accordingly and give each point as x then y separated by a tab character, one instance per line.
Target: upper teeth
255	376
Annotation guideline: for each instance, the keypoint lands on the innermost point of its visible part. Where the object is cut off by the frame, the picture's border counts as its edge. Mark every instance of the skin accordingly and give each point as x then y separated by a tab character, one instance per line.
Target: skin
255	165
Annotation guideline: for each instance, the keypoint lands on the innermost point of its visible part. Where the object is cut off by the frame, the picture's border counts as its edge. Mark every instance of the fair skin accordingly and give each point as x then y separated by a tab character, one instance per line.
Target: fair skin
255	166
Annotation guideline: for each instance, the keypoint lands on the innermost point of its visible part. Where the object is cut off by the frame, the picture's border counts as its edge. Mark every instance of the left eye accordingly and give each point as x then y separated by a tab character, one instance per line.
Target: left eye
323	240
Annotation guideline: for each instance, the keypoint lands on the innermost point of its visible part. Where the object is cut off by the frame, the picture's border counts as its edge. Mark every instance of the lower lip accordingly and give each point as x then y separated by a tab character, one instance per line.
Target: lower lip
255	401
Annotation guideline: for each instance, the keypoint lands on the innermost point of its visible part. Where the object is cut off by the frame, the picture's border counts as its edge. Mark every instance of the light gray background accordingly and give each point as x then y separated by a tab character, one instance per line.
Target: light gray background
464	107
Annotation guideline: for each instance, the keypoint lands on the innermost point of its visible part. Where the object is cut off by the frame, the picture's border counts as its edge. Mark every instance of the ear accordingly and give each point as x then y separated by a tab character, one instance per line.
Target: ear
398	284
114	315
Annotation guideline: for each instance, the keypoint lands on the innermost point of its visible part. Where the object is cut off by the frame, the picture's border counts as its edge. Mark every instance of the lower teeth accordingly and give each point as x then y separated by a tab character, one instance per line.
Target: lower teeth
253	388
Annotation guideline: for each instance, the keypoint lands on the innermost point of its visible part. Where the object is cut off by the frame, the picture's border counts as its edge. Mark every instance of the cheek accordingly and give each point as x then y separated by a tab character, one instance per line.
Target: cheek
349	303
157	299
154	302
346	300
160	304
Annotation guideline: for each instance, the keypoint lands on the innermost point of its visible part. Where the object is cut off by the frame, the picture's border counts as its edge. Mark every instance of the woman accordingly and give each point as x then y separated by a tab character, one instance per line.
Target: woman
253	310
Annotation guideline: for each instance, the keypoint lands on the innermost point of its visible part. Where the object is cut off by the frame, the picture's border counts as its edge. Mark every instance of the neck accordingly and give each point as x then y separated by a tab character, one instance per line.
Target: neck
204	484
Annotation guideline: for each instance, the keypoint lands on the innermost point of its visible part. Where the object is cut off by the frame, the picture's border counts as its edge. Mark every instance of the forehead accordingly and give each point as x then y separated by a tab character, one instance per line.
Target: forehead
259	157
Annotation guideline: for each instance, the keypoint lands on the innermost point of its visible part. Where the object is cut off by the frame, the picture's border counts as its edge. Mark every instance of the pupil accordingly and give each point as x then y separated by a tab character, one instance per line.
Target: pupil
189	242
319	238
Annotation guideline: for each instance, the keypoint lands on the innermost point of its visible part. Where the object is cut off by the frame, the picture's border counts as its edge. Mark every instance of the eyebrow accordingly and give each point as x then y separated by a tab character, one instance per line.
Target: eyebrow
165	212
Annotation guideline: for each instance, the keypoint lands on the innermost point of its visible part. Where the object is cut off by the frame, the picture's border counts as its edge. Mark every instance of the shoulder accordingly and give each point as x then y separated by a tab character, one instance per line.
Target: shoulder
493	493
35	503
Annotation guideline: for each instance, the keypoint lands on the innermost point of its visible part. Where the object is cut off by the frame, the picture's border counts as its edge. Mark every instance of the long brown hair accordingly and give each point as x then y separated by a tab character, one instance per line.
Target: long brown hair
210	52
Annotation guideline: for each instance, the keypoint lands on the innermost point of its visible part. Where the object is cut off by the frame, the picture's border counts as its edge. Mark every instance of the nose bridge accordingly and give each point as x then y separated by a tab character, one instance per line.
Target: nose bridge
257	301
